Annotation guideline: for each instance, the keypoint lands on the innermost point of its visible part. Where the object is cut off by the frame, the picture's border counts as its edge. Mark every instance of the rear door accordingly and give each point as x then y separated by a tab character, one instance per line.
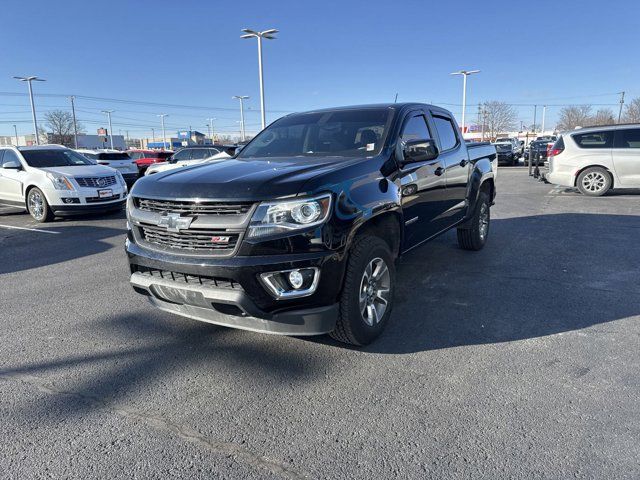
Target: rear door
626	156
422	186
455	160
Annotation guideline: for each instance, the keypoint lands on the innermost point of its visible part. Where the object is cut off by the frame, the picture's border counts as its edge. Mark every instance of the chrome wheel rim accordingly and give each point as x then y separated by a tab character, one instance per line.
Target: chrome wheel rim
594	181
36	205
484	221
374	291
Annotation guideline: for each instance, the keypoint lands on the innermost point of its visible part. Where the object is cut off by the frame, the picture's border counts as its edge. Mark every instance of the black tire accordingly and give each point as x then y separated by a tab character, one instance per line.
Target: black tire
473	235
38	206
594	181
351	326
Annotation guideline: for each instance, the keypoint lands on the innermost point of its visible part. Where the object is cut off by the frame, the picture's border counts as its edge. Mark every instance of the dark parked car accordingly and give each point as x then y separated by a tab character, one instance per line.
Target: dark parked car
299	233
538	151
507	151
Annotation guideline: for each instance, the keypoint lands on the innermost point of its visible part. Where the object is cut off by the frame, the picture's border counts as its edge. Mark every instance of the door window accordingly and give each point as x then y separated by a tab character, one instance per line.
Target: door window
602	139
628	138
416	129
446	132
1	154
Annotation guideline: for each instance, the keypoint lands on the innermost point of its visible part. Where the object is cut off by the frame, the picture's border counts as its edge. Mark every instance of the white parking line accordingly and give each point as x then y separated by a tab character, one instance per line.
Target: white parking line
30	229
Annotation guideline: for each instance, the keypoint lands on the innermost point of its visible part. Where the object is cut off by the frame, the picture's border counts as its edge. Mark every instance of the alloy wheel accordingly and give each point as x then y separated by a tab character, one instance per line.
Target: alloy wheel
594	182
374	291
483	221
36	205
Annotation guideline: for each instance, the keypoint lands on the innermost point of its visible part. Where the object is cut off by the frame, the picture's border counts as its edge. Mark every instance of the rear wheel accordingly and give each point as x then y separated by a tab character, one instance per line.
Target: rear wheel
594	181
38	206
367	293
474	235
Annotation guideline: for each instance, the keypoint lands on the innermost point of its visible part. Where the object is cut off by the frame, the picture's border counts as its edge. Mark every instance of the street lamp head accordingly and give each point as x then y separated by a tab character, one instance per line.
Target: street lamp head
30	79
240	97
465	72
108	111
268	34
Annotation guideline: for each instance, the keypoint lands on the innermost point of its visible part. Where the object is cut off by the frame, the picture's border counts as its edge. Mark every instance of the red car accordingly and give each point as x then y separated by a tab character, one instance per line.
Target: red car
144	158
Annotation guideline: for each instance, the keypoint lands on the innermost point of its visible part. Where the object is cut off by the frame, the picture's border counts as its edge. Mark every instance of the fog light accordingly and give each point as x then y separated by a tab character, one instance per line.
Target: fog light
295	279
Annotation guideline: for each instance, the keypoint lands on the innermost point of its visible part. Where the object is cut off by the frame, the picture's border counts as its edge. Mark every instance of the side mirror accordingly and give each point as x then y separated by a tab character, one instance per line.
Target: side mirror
12	165
419	151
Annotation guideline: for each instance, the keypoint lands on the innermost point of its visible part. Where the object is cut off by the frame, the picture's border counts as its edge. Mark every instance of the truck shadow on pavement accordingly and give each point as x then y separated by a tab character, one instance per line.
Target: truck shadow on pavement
537	276
25	249
151	351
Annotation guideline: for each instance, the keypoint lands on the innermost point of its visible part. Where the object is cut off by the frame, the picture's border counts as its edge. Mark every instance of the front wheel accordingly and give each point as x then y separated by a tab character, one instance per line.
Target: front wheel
474	234
367	293
38	206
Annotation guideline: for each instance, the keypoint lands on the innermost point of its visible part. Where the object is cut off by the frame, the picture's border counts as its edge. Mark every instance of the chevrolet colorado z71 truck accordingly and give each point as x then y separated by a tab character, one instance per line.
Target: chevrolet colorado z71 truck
298	233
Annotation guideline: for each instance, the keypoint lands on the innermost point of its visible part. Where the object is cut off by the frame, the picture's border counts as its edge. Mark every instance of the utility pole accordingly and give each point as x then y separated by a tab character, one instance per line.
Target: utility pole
153	134
621	104
479	114
484	121
15	131
75	124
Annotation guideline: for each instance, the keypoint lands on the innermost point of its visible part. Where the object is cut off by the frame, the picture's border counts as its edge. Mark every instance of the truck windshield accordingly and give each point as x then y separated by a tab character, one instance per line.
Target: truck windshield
339	133
54	158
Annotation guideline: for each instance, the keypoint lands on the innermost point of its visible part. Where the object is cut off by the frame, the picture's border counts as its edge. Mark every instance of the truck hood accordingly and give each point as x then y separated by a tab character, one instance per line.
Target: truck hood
238	179
80	170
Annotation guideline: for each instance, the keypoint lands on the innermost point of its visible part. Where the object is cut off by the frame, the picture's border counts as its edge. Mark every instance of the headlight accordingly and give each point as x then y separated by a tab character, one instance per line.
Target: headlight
60	182
273	218
120	179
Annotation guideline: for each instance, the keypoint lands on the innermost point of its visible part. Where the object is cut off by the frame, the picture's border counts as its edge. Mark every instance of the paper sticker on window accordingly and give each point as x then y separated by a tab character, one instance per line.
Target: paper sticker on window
371	147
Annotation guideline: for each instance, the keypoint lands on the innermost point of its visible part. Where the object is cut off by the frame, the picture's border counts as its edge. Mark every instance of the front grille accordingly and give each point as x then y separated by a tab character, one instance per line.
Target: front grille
193	208
196	240
102	199
188	279
92	182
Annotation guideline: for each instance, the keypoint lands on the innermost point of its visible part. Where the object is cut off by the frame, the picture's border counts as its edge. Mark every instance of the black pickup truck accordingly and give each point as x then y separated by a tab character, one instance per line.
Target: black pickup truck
298	233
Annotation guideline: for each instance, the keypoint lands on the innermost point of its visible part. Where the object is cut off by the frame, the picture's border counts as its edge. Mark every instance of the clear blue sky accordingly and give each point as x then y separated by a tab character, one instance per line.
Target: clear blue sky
327	53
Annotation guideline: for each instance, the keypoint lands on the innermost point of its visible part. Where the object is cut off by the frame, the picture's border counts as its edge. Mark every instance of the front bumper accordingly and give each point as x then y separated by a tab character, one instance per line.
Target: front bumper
80	209
208	304
248	304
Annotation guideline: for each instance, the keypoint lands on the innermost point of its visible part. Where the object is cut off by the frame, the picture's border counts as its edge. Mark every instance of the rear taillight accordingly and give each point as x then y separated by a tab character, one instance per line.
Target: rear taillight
555	151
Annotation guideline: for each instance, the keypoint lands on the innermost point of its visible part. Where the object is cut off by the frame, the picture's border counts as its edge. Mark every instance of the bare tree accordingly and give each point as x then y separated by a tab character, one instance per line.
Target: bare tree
60	126
632	111
499	117
574	116
604	116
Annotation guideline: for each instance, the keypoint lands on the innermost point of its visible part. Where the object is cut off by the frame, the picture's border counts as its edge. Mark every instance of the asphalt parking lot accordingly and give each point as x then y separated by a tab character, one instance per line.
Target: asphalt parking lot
519	361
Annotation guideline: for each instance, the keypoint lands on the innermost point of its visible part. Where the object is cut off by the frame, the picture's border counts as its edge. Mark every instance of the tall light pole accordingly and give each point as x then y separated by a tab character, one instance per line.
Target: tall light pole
164	135
465	74
242	98
75	124
269	35
15	131
210	125
544	114
109	112
33	108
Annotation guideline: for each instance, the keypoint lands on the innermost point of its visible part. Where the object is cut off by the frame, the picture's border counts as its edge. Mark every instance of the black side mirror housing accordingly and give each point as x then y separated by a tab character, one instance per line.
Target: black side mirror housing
420	150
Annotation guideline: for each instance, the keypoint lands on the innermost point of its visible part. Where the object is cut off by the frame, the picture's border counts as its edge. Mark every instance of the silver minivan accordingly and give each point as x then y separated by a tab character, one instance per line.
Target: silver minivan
596	159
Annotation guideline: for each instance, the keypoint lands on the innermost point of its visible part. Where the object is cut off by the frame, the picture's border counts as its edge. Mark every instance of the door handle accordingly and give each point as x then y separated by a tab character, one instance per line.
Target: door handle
438	171
463	162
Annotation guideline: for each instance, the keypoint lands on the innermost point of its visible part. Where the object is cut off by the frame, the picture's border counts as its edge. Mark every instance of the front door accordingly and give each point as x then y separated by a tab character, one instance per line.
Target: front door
626	157
422	187
10	179
455	160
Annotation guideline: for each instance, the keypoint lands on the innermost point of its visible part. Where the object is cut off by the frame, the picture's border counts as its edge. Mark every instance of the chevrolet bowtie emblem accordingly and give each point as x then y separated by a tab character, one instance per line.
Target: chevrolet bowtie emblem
174	222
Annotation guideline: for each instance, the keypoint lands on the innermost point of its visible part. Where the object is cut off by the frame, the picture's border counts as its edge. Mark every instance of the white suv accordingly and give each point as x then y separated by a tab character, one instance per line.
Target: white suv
596	159
121	161
53	180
